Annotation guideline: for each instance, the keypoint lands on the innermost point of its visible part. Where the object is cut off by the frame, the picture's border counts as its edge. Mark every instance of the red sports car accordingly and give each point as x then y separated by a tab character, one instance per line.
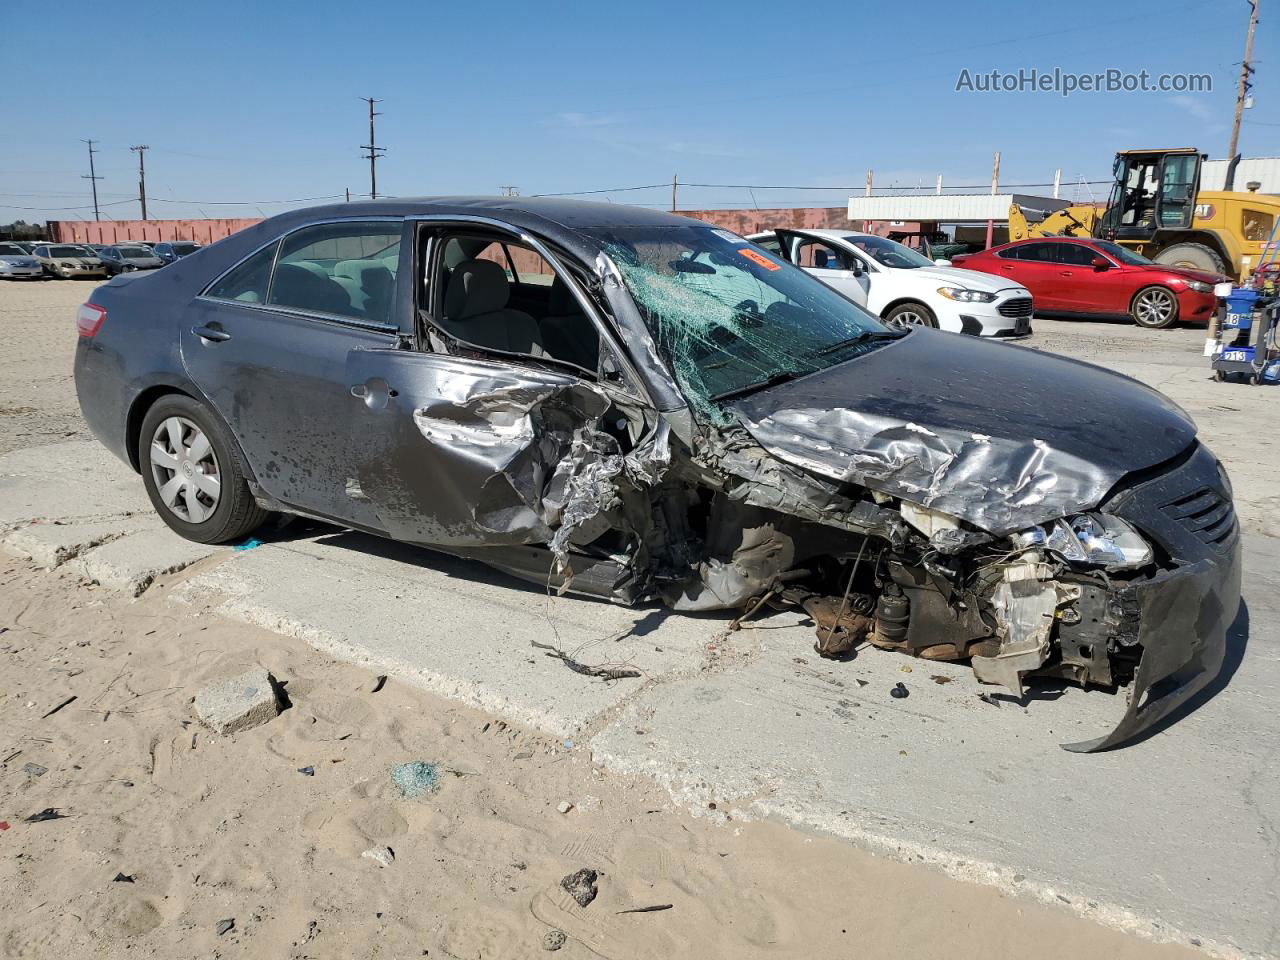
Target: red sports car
1075	276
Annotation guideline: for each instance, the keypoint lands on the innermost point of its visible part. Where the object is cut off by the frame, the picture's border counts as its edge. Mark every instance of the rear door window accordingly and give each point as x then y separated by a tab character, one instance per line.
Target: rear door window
249	281
1075	254
343	269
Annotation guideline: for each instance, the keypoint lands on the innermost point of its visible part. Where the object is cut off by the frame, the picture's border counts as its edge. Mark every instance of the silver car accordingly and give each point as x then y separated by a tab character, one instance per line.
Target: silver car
127	257
17	264
66	260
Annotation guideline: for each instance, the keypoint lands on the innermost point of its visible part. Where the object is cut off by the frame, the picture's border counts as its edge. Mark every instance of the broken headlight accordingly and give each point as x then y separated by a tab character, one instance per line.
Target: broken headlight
965	295
1093	539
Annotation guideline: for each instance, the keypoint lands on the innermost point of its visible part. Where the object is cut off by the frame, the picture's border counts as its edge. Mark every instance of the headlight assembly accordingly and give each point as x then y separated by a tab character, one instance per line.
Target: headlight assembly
965	295
1199	287
1093	539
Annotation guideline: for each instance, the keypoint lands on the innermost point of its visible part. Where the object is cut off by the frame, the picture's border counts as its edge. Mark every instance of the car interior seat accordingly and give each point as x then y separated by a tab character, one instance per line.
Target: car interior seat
567	332
296	286
475	310
369	284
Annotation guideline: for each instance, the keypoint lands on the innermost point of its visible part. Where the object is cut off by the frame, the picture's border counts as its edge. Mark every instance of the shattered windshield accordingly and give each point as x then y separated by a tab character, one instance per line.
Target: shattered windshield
730	318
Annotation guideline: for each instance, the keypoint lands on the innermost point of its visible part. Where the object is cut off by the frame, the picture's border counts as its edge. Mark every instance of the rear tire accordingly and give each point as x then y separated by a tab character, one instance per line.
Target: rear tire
192	471
1154	307
913	314
1197	256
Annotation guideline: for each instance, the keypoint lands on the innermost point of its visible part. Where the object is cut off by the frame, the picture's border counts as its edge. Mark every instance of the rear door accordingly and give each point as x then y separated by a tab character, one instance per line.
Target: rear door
1034	265
267	344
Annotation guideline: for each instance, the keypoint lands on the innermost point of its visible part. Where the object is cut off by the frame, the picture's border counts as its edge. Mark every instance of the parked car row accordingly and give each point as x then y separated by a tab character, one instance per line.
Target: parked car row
22	260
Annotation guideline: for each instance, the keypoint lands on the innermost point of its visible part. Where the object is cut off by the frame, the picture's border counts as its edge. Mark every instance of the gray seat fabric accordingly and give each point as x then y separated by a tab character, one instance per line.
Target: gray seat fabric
296	286
369	284
567	332
475	310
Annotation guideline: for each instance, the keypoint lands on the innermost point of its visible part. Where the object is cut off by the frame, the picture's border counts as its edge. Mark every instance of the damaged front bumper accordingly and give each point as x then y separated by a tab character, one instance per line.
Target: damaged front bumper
1184	616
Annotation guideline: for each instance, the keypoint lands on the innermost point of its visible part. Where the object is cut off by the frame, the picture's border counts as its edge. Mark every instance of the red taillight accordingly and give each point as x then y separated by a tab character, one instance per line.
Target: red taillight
89	319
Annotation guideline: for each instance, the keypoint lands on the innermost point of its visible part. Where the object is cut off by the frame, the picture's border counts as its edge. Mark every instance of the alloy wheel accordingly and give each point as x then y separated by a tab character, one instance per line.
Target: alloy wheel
909	318
1154	308
185	469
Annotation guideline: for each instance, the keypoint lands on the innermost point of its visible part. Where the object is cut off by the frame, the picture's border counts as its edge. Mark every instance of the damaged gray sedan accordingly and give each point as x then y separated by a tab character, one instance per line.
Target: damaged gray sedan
637	406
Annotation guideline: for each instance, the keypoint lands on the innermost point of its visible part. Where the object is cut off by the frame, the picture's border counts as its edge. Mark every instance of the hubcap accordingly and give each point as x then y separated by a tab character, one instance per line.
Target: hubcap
185	470
1155	307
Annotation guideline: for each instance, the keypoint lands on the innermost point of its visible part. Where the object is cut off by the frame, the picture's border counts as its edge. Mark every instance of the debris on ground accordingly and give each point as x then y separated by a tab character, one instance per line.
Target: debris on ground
251	544
416	779
603	672
554	940
899	691
383	856
238	703
34	770
565	806
4	824
123	878
524	755
378	683
940	679
64	703
581	886
657	907
225	925
307	771
988	698
48	813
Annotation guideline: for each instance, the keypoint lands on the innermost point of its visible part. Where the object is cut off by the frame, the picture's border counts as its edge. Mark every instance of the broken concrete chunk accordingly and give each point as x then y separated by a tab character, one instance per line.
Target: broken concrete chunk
383	856
581	885
238	703
564	806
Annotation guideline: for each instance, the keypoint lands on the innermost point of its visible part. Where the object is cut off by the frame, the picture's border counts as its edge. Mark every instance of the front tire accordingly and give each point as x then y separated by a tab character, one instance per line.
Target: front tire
1154	308
192	472
906	315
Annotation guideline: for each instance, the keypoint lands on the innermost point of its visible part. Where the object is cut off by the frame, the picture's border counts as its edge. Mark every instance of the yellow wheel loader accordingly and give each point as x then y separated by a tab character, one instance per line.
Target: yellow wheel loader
1156	207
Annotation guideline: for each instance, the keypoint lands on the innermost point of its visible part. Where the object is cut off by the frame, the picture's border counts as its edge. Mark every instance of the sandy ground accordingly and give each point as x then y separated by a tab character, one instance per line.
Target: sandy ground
216	828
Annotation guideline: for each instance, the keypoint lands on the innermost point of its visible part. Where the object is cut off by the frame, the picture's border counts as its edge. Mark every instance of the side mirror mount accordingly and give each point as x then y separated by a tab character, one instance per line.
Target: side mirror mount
1101	263
856	270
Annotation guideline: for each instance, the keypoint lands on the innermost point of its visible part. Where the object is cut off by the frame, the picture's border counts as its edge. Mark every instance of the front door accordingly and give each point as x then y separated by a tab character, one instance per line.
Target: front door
268	343
828	262
1037	269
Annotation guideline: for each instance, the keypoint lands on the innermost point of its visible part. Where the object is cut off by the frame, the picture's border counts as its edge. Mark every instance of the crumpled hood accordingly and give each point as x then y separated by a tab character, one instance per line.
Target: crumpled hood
1001	436
957	277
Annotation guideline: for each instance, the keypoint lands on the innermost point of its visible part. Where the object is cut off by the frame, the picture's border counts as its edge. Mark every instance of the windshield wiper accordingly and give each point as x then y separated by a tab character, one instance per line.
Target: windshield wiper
860	337
782	376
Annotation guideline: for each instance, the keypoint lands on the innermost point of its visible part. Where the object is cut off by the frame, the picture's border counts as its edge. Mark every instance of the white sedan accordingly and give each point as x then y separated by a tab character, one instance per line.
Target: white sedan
903	287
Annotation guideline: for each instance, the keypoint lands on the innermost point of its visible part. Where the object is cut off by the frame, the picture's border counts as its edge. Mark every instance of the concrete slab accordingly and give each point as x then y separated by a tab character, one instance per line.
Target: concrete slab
50	544
132	562
453	626
75	480
238	703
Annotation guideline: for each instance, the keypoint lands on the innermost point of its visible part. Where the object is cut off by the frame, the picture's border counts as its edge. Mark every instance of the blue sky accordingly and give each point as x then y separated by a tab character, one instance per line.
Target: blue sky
259	101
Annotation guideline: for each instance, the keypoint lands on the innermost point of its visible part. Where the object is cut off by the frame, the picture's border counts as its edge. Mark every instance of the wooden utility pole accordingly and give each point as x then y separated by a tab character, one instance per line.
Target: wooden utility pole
375	151
93	178
995	187
1242	92
141	151
674	177
868	193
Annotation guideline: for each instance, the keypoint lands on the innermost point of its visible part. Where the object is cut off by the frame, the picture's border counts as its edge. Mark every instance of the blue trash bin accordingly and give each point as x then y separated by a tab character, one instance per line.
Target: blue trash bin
1240	306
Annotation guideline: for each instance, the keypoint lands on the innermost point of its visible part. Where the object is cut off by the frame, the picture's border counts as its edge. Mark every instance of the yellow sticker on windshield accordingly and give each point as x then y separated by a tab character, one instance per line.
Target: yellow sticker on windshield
759	259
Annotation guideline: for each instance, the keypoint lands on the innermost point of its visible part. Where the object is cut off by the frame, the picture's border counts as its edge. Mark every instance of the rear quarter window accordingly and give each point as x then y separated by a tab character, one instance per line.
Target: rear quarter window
249	281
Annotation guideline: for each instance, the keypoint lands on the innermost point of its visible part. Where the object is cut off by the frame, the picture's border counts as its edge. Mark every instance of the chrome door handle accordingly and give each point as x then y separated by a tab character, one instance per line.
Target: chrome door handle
213	334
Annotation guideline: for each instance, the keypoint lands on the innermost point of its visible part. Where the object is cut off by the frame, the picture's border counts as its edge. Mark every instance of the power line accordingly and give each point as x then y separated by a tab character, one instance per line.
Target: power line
93	178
